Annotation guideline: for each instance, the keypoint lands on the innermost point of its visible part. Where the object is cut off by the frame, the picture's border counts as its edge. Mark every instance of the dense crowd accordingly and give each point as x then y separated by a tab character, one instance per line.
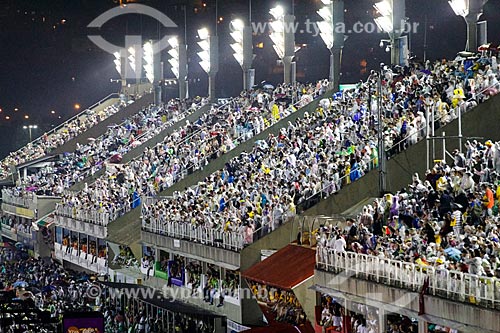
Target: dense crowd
283	304
315	156
189	148
88	158
50	141
44	285
448	220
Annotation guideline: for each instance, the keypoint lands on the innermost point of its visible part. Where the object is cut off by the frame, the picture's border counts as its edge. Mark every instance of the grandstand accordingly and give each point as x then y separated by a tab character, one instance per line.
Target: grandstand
200	193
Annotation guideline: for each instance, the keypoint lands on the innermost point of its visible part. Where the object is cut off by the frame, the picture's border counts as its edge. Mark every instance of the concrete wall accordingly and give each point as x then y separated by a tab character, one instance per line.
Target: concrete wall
460	316
134	153
101	128
46	205
276	240
483	121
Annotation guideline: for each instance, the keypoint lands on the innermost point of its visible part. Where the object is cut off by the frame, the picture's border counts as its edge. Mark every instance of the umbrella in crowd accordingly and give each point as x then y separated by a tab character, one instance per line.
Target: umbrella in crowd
48	289
20	284
116	158
25	295
60	283
453	253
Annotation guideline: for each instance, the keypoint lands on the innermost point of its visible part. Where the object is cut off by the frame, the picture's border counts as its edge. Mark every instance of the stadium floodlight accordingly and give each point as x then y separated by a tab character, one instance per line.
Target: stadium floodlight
118	62
174	56
332	14
178	64
460	7
30	128
283	38
148	55
131	58
209	57
471	11
391	20
205	49
242	47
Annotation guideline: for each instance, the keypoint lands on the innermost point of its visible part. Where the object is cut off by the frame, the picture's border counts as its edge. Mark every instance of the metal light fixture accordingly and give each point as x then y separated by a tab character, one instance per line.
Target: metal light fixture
30	128
243	53
131	58
118	62
471	11
178	63
149	57
209	58
283	38
391	20
332	13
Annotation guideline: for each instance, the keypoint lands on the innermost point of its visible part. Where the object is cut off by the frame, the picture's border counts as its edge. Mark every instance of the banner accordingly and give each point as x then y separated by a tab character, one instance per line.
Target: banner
88	322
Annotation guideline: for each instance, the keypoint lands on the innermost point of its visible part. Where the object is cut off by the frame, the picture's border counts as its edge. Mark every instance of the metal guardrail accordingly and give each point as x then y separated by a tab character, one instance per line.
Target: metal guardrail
452	285
199	234
443	120
26	200
80	258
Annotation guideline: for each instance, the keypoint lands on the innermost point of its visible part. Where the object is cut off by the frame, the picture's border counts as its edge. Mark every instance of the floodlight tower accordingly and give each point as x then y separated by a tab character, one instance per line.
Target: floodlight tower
179	66
243	50
332	14
392	21
209	58
283	37
471	11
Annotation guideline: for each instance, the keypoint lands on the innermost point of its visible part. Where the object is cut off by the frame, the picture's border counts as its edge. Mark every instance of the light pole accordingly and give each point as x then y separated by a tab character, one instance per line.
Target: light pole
283	37
470	10
392	21
209	58
242	35
30	128
380	134
153	68
333	14
179	65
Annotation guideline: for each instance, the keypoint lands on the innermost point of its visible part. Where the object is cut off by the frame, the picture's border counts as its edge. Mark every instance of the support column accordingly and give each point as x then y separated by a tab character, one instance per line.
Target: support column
422	326
211	88
395	51
471	21
382	320
183	71
287	70
336	63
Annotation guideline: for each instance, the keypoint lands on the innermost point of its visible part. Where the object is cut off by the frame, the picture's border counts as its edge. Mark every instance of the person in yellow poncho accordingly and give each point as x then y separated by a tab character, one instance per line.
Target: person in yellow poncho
457	97
275	112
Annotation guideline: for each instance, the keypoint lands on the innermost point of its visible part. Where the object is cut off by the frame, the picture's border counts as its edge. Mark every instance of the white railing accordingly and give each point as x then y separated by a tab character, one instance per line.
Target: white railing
60	128
99	217
204	235
443	120
80	258
454	285
25	199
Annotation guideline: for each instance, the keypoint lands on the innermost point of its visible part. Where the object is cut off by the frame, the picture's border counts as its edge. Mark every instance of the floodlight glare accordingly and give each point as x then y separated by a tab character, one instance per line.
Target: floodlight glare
384	23
277	12
173	42
118	62
131	58
149	61
383	7
203	33
237	25
460	7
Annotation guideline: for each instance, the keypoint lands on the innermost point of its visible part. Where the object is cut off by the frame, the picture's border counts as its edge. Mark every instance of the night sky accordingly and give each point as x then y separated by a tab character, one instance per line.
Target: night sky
48	64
